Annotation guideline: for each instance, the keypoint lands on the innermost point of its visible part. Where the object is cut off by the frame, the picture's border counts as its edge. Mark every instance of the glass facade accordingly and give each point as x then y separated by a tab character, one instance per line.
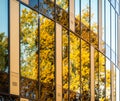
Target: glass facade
67	50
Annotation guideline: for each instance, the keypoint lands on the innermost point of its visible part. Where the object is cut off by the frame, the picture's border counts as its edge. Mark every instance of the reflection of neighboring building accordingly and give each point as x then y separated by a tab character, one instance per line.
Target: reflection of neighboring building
58	52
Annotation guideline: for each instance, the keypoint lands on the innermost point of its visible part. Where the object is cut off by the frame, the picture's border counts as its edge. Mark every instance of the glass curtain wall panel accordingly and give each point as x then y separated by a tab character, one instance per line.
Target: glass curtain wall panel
101	77
65	70
96	74
28	52
77	16
4	60
117	84
108	80
85	19
113	34
102	43
85	71
47	59
63	4
74	67
61	16
116	41
107	26
47	8
94	23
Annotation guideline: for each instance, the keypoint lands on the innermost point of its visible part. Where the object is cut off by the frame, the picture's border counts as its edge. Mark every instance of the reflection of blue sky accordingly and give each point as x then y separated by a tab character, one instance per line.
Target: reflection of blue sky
4	16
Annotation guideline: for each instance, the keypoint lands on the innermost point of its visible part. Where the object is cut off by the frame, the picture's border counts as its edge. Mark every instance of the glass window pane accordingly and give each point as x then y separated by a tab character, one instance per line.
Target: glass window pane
34	4
62	16
117	84
47	7
4	36
85	71
77	16
74	67
113	34
4	66
108	80
102	42
28	43
29	88
96	63
94	23
107	28
85	19
63	4
116	43
65	63
47	65
101	76
28	53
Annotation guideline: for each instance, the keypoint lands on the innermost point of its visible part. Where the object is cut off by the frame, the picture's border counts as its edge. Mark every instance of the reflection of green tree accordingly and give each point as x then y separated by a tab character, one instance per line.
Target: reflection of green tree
3	52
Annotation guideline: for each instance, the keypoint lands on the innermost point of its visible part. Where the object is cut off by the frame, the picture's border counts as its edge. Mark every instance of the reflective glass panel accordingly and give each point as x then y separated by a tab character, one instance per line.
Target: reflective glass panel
74	68
62	4
107	28
4	36
65	63
85	71
62	16
47	54
47	7
96	63
113	34
101	77
94	23
77	16
4	67
117	84
34	4
29	88
108	80
28	43
85	19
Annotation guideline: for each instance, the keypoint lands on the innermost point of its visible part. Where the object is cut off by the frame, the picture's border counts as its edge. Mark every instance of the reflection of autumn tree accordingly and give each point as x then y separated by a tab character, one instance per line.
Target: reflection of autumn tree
29	57
3	52
28	43
47	59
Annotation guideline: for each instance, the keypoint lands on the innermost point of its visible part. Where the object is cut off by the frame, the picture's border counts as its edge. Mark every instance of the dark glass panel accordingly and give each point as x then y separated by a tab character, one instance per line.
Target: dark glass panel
96	63
85	71
65	63
101	77
85	19
8	98
74	68
47	7
63	4
4	82
62	16
108	80
4	36
29	88
47	54
28	43
94	23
